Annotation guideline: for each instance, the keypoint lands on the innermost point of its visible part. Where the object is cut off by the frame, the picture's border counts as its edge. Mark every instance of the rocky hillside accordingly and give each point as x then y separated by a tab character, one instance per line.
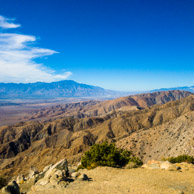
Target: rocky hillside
97	108
66	88
151	133
47	110
139	101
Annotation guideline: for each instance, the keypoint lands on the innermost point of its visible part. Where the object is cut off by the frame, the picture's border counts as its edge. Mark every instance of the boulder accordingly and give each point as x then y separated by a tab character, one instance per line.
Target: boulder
61	165
56	179
54	175
11	188
166	165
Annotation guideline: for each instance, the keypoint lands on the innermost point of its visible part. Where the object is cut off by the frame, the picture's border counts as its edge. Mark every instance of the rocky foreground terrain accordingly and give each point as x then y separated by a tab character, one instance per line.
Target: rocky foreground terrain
150	133
154	177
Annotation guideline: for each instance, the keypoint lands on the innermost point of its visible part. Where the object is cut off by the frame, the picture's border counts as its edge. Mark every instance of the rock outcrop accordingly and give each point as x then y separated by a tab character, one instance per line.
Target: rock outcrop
163	165
55	176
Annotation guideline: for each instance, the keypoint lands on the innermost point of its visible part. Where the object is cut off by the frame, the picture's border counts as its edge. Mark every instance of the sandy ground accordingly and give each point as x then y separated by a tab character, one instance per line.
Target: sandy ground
137	181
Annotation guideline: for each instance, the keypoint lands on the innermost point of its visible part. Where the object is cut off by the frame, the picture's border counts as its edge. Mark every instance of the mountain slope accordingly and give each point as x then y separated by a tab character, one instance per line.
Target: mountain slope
151	133
45	111
66	88
172	138
97	108
140	101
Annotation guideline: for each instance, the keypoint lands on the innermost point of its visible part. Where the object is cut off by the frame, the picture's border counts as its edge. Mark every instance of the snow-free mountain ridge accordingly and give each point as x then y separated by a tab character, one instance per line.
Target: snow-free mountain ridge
66	88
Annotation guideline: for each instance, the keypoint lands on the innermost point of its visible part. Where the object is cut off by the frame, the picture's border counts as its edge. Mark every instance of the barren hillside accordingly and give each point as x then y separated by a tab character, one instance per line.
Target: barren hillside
151	133
97	108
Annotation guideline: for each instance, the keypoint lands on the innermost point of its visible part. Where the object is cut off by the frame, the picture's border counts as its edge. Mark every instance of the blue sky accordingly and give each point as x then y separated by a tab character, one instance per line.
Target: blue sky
129	45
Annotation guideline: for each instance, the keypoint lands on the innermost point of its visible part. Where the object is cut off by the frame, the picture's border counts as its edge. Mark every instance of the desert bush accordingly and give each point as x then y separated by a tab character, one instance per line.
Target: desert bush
107	155
3	182
181	158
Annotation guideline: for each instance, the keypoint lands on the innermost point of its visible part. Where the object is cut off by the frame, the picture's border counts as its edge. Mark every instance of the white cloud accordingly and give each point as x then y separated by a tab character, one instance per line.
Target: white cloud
17	58
6	23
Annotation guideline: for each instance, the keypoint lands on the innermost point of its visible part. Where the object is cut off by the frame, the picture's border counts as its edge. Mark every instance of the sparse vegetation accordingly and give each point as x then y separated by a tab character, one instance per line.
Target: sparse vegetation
3	182
107	155
181	158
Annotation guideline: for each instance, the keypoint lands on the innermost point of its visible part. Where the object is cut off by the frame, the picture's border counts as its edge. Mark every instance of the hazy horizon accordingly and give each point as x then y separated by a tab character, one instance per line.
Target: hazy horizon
99	86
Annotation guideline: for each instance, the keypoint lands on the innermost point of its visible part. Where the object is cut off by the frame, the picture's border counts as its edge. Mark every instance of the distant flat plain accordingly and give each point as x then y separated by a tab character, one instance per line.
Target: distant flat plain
13	111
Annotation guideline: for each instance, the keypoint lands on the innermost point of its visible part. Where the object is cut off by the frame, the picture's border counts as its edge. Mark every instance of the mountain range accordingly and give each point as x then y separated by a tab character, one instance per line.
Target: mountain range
184	88
152	126
66	88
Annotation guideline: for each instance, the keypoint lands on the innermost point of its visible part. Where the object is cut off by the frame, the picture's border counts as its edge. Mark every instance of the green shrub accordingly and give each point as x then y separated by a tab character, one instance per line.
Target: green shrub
181	158
107	155
3	182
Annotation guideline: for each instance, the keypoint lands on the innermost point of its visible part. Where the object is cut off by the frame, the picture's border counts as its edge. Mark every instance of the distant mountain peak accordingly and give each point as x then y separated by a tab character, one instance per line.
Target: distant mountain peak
185	88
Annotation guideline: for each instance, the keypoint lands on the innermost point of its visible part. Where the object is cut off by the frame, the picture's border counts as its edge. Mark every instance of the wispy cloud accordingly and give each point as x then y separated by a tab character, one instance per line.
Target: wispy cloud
7	23
17	58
